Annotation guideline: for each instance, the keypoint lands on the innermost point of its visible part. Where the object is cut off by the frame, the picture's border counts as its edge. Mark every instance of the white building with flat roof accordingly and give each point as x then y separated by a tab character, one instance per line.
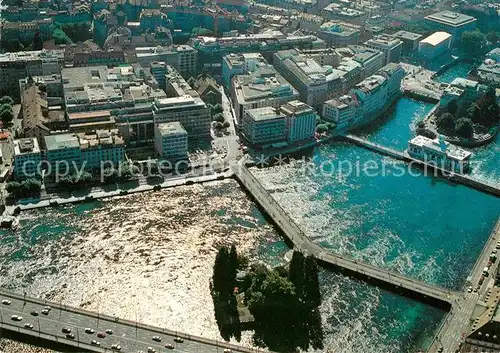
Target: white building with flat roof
262	88
101	148
389	45
63	152
301	121
171	141
240	64
434	45
191	112
439	153
264	126
27	158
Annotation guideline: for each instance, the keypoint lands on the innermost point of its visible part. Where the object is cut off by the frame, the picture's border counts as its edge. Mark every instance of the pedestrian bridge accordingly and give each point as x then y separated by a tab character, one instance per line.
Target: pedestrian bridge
393	281
131	336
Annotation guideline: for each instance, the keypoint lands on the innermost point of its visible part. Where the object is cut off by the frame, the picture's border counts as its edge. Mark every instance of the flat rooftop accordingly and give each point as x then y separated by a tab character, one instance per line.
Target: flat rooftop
436	38
171	129
265	114
451	18
26	146
58	142
407	35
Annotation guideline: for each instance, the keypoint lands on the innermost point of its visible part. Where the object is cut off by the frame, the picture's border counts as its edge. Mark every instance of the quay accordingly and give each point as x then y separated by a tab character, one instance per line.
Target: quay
493	189
390	280
455	326
131	336
98	193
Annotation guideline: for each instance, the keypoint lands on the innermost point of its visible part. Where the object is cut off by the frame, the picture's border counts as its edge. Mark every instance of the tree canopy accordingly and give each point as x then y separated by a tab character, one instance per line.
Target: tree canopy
445	122
464	128
473	41
6	100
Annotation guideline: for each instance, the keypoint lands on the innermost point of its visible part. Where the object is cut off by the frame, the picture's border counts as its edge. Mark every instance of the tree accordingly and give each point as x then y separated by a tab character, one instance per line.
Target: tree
191	81
296	272
218	117
492	37
421	124
37	41
60	37
474	113
218	108
452	107
6	116
6	100
226	124
42	87
445	122
321	128
473	41
232	264
200	31
220	275
464	128
312	295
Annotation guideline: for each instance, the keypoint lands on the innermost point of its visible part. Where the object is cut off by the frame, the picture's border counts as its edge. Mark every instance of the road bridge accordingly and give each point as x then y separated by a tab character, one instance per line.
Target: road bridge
392	280
131	336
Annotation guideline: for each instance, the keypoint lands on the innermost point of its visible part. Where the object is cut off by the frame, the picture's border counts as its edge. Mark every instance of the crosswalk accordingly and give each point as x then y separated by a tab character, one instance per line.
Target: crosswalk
472	295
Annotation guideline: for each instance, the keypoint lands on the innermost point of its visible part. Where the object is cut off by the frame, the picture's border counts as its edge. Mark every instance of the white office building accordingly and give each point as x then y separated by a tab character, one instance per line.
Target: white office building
171	141
264	126
301	121
27	158
389	45
436	44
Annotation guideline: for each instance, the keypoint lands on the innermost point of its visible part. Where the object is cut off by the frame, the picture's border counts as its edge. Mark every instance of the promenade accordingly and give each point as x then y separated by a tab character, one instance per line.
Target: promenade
394	281
130	336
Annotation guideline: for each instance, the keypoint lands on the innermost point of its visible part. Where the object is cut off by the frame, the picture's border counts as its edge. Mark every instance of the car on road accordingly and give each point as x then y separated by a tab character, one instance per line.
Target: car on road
227	350
116	347
157	338
469	289
151	350
95	343
109	331
6	302
34	313
101	335
178	340
28	326
70	336
89	330
16	318
66	330
45	312
169	346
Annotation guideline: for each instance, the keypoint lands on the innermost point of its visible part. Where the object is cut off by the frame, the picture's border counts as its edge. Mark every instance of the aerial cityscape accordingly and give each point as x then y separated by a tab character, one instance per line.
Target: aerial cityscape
250	176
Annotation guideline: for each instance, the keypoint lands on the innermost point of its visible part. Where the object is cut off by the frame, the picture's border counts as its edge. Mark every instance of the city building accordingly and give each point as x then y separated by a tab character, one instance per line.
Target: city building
301	121
52	83
368	100
17	66
171	141
265	126
27	158
336	11
464	92
339	34
314	82
88	53
240	64
211	49
191	112
208	89
434	45
489	73
262	88
101	148
440	153
370	59
410	42
453	23
39	119
182	57
325	56
63	152
387	44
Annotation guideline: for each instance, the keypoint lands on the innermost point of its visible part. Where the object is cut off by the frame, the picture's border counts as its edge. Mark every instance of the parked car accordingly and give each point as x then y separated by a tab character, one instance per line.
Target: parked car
70	336
95	343
116	347
178	339
6	302
101	335
157	338
16	318
34	313
169	346
89	330
28	326
66	330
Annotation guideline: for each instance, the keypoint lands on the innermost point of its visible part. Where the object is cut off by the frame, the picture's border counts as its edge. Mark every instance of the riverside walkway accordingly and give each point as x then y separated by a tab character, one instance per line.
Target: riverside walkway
130	336
481	185
456	325
394	281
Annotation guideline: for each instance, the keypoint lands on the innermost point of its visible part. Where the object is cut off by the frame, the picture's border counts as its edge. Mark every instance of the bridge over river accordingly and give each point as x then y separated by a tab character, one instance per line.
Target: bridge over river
130	336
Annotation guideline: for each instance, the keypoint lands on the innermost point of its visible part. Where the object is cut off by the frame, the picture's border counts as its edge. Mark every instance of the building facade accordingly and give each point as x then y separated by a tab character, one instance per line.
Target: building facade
171	141
264	126
389	45
436	44
451	22
27	158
